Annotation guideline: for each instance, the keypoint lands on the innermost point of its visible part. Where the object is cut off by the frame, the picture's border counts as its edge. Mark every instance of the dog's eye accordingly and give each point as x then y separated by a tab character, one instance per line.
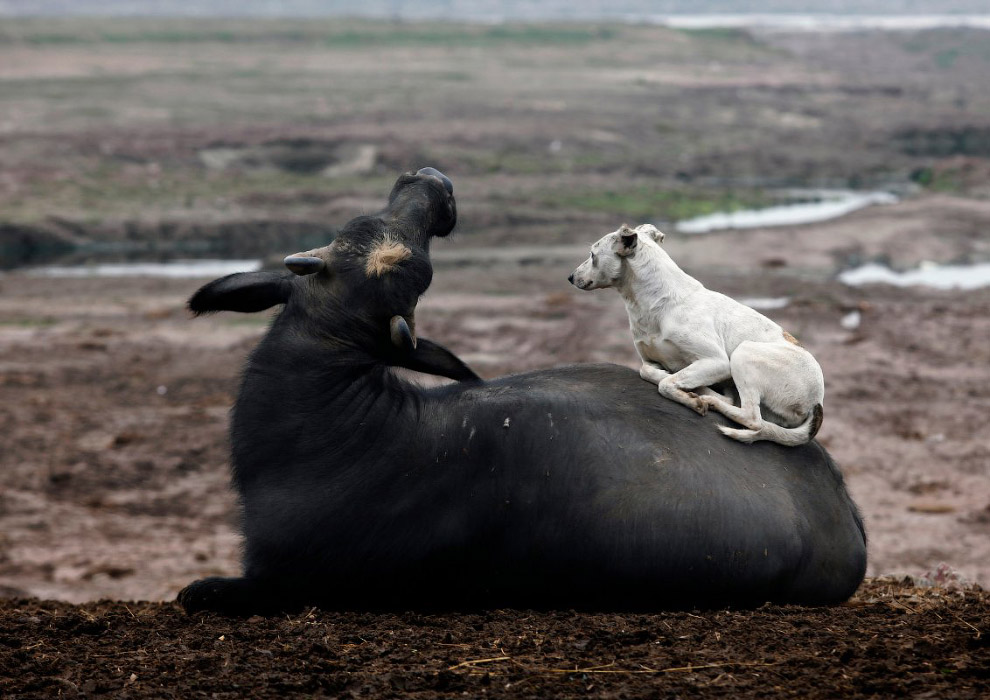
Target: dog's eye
594	259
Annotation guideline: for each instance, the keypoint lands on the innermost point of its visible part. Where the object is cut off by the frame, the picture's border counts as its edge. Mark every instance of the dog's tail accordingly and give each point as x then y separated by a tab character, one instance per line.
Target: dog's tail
783	436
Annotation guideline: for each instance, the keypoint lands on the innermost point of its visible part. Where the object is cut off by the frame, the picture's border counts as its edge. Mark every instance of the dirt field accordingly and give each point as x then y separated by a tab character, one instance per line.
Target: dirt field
115	401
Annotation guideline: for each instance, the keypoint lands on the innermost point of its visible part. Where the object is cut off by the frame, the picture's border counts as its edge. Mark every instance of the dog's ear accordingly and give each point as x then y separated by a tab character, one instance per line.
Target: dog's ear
651	231
625	244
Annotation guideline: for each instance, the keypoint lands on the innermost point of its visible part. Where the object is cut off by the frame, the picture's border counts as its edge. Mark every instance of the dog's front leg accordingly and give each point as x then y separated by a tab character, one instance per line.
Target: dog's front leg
698	374
652	372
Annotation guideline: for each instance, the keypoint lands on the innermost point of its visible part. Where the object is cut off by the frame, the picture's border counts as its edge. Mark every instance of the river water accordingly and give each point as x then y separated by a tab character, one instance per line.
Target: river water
927	275
824	205
822	22
829	204
175	269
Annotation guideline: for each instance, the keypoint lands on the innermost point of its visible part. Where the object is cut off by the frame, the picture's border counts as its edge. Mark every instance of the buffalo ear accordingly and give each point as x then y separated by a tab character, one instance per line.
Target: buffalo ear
245	292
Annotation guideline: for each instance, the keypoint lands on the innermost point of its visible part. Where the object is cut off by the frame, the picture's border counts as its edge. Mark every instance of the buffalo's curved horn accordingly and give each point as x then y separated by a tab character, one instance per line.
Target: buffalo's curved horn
402	336
305	264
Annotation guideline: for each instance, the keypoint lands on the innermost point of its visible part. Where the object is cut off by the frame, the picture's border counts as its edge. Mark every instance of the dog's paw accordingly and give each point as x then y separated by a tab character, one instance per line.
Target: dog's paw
698	403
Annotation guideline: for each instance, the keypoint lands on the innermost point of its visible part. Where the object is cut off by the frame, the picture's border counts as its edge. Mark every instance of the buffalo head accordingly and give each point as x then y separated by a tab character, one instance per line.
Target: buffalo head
382	262
359	293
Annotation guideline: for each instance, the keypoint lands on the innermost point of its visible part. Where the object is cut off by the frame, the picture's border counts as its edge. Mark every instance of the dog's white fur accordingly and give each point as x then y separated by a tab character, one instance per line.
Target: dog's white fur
691	338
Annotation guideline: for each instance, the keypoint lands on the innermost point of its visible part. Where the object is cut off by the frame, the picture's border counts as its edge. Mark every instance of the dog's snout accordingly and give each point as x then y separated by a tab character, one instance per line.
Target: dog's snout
571	278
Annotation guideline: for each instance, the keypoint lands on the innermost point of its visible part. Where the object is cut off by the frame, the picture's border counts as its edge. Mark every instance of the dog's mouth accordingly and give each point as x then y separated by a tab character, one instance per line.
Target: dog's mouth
580	284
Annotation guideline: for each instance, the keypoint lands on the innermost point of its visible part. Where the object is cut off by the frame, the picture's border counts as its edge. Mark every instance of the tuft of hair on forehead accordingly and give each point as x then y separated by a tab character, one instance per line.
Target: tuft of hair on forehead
384	256
626	228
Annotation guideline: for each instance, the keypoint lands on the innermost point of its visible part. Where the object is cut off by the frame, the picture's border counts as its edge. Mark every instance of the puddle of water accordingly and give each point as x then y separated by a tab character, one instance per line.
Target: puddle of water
178	269
766	303
832	204
824	22
928	275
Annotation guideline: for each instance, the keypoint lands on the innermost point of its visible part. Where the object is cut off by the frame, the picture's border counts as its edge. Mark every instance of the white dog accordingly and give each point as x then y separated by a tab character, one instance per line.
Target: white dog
691	338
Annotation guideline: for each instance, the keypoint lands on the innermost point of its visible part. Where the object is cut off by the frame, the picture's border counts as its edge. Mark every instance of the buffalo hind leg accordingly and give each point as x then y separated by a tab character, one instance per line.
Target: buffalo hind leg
238	597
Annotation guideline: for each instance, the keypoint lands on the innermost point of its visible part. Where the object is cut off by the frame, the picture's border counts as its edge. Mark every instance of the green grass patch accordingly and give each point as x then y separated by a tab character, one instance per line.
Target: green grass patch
948	181
644	202
38	322
719	34
947	58
334	33
461	35
113	192
946	49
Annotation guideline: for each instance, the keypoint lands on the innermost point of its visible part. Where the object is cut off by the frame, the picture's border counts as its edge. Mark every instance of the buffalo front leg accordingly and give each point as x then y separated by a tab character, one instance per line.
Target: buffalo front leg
697	375
236	597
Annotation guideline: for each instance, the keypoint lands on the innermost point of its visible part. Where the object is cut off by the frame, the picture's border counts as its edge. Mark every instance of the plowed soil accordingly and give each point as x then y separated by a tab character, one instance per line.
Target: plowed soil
891	640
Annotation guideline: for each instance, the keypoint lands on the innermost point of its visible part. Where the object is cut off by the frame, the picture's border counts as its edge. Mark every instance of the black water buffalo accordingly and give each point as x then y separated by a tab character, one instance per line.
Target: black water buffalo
574	487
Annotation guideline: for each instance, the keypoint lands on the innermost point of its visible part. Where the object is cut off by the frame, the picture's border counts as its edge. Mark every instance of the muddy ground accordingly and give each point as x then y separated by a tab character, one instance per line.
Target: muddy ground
891	640
115	401
115	485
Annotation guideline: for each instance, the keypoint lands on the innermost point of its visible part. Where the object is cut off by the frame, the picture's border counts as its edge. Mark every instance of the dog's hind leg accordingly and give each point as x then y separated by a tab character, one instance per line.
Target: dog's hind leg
699	374
748	413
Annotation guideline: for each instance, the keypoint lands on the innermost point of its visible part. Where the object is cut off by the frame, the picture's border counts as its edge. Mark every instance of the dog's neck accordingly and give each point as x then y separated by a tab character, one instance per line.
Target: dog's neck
653	278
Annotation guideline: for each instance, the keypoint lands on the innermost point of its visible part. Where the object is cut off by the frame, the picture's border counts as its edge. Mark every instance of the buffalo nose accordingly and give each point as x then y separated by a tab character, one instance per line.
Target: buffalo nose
571	278
447	184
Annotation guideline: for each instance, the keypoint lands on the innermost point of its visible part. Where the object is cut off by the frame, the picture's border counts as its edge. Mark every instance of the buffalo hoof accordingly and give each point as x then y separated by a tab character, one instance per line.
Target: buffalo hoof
238	597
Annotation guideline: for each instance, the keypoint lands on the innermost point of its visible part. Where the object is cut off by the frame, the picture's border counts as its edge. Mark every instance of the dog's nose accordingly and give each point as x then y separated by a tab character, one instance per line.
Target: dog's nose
571	278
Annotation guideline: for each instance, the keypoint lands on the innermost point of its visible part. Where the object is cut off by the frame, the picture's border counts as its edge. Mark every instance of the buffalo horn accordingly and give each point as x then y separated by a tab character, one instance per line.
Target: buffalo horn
402	336
304	264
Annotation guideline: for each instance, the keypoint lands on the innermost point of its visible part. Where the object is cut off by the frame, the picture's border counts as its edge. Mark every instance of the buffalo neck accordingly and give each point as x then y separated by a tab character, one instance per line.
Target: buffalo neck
306	392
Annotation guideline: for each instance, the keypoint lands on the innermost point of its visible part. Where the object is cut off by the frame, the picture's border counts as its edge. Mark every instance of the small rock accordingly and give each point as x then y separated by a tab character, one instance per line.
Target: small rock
931	507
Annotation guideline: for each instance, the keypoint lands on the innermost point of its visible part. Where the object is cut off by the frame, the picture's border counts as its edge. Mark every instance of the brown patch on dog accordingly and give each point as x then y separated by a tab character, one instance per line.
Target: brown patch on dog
791	339
385	256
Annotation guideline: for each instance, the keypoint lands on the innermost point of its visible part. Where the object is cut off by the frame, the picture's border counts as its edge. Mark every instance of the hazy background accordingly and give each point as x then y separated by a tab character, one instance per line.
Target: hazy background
145	150
480	9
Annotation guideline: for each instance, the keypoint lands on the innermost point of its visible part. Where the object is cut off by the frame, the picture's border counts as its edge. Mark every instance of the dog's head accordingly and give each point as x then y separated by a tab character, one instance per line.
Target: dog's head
606	264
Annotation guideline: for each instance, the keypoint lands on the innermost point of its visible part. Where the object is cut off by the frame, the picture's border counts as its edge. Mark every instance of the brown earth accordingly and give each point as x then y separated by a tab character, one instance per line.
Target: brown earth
114	485
891	640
